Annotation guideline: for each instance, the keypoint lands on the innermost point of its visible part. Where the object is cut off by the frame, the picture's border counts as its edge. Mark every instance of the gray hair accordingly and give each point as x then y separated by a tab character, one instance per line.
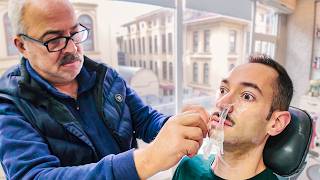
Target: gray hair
15	12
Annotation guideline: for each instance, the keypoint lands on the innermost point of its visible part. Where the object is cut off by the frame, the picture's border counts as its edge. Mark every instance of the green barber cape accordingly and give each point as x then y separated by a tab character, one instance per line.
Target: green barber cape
198	168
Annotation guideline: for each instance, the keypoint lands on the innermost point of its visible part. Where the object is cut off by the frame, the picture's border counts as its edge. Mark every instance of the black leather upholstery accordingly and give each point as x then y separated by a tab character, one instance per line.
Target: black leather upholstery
285	153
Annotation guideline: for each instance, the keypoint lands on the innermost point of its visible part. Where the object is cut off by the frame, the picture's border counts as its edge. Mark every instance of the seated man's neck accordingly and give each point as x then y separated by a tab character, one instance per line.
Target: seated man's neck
239	164
70	89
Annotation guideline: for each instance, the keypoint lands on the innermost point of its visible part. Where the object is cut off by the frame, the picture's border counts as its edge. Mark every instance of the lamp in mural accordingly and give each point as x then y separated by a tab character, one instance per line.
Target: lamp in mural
316	62
318	32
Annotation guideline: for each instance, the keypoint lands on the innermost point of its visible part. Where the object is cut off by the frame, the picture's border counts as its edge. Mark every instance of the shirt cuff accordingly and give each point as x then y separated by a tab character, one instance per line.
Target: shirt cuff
124	166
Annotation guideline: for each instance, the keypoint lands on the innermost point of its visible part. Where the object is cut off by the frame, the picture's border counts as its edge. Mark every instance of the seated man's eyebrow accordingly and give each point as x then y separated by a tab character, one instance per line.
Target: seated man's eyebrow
246	84
225	81
51	32
57	32
252	85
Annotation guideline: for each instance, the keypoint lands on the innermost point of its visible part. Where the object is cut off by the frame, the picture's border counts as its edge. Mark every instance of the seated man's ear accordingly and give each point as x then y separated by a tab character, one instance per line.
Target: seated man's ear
19	43
278	122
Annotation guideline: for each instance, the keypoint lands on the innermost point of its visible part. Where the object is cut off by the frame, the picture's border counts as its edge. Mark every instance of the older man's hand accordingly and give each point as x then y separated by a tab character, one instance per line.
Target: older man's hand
181	135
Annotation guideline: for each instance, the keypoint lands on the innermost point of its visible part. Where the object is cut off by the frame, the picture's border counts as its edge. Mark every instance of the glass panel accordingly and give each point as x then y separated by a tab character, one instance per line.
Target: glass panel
232	41
170	42
164	70
195	41
265	30
87	21
170	71
316	47
148	68
163	42
195	72
265	47
266	20
206	73
206	45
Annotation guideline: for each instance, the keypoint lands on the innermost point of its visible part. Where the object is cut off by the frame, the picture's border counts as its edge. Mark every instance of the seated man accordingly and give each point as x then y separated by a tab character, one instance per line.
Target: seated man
259	93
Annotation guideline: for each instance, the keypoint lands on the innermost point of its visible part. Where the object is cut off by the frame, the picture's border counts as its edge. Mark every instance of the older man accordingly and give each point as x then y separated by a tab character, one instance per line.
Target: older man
259	93
64	116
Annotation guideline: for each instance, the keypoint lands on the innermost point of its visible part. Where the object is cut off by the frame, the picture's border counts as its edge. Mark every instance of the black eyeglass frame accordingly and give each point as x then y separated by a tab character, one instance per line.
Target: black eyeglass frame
66	37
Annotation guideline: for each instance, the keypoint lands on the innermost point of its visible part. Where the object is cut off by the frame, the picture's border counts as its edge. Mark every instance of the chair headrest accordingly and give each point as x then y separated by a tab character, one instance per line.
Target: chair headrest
285	153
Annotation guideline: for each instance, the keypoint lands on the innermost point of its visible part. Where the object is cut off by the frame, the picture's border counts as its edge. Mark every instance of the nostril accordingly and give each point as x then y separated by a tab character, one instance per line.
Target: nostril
231	108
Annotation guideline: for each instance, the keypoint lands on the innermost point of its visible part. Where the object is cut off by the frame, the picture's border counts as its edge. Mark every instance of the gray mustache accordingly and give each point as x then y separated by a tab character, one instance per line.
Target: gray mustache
69	58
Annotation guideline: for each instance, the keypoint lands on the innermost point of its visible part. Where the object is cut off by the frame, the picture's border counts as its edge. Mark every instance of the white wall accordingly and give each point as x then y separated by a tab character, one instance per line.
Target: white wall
299	46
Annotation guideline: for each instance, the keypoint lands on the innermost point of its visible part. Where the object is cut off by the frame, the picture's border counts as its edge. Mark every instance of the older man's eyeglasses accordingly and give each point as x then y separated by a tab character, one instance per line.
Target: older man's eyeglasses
59	43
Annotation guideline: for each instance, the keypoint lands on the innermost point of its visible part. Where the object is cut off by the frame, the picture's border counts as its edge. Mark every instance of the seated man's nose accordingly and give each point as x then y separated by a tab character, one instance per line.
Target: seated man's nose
71	46
224	100
229	106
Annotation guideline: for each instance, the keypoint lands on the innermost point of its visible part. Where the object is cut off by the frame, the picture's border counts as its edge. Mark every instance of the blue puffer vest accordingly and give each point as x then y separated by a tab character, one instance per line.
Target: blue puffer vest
55	122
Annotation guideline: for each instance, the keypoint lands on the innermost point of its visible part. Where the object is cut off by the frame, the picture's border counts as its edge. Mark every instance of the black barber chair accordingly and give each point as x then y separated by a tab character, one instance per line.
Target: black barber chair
285	153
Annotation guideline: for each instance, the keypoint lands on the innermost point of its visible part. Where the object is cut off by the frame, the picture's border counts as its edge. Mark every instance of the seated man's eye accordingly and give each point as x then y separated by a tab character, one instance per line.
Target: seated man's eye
57	41
222	90
248	97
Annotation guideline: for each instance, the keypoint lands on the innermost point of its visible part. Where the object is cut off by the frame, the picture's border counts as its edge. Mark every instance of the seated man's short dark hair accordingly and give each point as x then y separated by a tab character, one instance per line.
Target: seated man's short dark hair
283	85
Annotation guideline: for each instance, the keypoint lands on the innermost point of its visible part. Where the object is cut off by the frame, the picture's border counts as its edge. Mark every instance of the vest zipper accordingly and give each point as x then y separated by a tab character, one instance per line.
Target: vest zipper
77	105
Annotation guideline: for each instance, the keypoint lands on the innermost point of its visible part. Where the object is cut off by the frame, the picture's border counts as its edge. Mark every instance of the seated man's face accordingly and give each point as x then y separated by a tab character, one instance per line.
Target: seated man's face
249	89
48	20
